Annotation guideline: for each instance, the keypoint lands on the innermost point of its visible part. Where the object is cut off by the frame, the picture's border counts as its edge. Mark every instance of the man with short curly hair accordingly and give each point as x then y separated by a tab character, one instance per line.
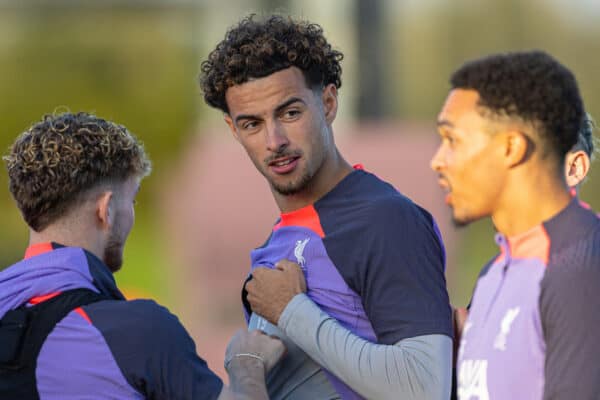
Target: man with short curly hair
66	331
506	126
376	316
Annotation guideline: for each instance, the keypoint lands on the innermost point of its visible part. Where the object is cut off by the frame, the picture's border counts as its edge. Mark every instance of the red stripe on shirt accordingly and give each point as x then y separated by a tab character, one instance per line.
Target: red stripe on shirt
37	249
306	217
80	311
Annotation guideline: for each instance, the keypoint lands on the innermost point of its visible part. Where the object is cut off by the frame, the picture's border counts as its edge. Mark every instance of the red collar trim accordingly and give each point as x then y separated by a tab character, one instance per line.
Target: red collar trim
37	249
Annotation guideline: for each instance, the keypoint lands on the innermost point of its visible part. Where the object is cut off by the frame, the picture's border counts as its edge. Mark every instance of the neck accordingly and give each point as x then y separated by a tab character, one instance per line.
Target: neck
529	202
326	178
67	236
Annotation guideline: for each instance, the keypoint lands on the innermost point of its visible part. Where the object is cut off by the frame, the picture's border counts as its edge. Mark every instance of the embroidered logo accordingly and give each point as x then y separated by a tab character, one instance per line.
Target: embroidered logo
299	250
472	380
463	338
505	325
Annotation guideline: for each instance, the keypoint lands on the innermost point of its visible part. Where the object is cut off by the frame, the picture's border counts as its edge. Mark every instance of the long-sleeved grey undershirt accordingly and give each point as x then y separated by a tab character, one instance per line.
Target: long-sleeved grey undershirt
414	368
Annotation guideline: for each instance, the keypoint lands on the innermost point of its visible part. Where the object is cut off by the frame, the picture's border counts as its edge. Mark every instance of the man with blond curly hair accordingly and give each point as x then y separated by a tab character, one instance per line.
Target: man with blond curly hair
375	321
66	331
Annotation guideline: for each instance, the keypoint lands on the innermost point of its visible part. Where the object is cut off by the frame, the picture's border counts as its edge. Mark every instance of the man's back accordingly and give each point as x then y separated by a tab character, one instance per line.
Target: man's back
110	348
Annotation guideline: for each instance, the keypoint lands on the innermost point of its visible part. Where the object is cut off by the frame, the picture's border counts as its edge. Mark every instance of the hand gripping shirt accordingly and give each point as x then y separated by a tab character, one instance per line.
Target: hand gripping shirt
534	320
373	260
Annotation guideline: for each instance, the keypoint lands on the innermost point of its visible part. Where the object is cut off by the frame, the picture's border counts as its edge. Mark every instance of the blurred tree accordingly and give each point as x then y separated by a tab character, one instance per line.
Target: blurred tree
372	60
136	66
275	6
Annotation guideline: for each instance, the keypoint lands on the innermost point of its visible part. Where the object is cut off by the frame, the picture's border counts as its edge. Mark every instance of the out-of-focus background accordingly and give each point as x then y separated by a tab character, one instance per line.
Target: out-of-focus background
204	207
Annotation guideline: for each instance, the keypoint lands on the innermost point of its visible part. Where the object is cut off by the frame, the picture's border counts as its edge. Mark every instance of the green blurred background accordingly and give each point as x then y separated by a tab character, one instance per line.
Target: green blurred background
136	62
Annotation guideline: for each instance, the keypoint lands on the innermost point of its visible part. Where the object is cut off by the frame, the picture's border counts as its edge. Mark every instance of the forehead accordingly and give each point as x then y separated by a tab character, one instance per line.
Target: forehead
261	95
460	103
462	115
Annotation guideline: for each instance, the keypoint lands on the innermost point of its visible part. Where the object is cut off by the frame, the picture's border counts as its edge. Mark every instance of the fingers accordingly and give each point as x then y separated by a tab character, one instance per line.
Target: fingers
287	265
259	272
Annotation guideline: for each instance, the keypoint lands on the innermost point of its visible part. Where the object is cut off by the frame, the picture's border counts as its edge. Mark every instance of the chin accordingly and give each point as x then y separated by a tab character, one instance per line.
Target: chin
460	222
292	187
465	218
461	219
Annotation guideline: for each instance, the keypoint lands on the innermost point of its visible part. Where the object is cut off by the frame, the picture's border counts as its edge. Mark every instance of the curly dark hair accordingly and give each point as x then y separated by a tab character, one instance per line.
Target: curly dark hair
255	49
62	156
532	86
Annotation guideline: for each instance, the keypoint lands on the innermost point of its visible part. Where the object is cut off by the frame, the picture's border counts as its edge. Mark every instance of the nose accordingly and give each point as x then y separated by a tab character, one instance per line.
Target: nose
437	162
277	139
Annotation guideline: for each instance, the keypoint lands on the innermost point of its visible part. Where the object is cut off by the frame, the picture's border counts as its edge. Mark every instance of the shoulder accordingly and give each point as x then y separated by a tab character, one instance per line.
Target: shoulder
572	278
577	260
369	199
139	322
153	350
486	267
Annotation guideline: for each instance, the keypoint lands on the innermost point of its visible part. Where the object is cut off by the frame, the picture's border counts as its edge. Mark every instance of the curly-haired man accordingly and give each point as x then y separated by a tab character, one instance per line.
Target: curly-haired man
506	126
376	315
66	331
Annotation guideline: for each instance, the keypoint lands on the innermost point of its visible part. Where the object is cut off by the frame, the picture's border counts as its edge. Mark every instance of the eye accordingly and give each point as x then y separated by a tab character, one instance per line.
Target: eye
449	139
250	124
291	114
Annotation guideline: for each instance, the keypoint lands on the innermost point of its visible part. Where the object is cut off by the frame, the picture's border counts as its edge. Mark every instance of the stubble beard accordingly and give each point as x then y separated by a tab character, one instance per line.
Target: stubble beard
295	186
113	253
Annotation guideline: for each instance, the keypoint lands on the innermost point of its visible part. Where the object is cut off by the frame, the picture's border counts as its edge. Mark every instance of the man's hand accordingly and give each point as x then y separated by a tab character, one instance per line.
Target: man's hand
270	290
248	358
268	350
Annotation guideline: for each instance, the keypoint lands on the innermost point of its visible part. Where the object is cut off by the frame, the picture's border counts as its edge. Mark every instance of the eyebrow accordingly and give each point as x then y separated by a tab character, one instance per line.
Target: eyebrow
287	103
278	109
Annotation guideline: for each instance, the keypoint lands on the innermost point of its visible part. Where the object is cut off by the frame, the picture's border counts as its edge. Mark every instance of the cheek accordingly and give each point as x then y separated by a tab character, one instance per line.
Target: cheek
252	147
127	217
483	179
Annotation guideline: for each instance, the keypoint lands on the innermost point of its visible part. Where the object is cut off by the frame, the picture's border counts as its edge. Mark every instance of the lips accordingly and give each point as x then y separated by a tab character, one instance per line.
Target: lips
284	165
444	184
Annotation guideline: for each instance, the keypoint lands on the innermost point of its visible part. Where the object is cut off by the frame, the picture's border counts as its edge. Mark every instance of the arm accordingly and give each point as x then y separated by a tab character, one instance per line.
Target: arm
247	381
158	357
249	356
413	368
398	272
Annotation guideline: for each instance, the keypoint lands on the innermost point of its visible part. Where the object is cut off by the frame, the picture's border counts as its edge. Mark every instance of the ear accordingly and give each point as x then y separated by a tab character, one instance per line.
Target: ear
330	102
104	211
577	165
231	125
517	147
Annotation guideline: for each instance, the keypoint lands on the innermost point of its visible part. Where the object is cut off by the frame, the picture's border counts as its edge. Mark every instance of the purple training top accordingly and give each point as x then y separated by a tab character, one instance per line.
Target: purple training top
535	315
372	259
112	348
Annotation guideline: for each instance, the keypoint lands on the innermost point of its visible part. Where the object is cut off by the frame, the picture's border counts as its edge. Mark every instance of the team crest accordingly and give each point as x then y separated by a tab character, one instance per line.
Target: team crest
505	325
299	251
